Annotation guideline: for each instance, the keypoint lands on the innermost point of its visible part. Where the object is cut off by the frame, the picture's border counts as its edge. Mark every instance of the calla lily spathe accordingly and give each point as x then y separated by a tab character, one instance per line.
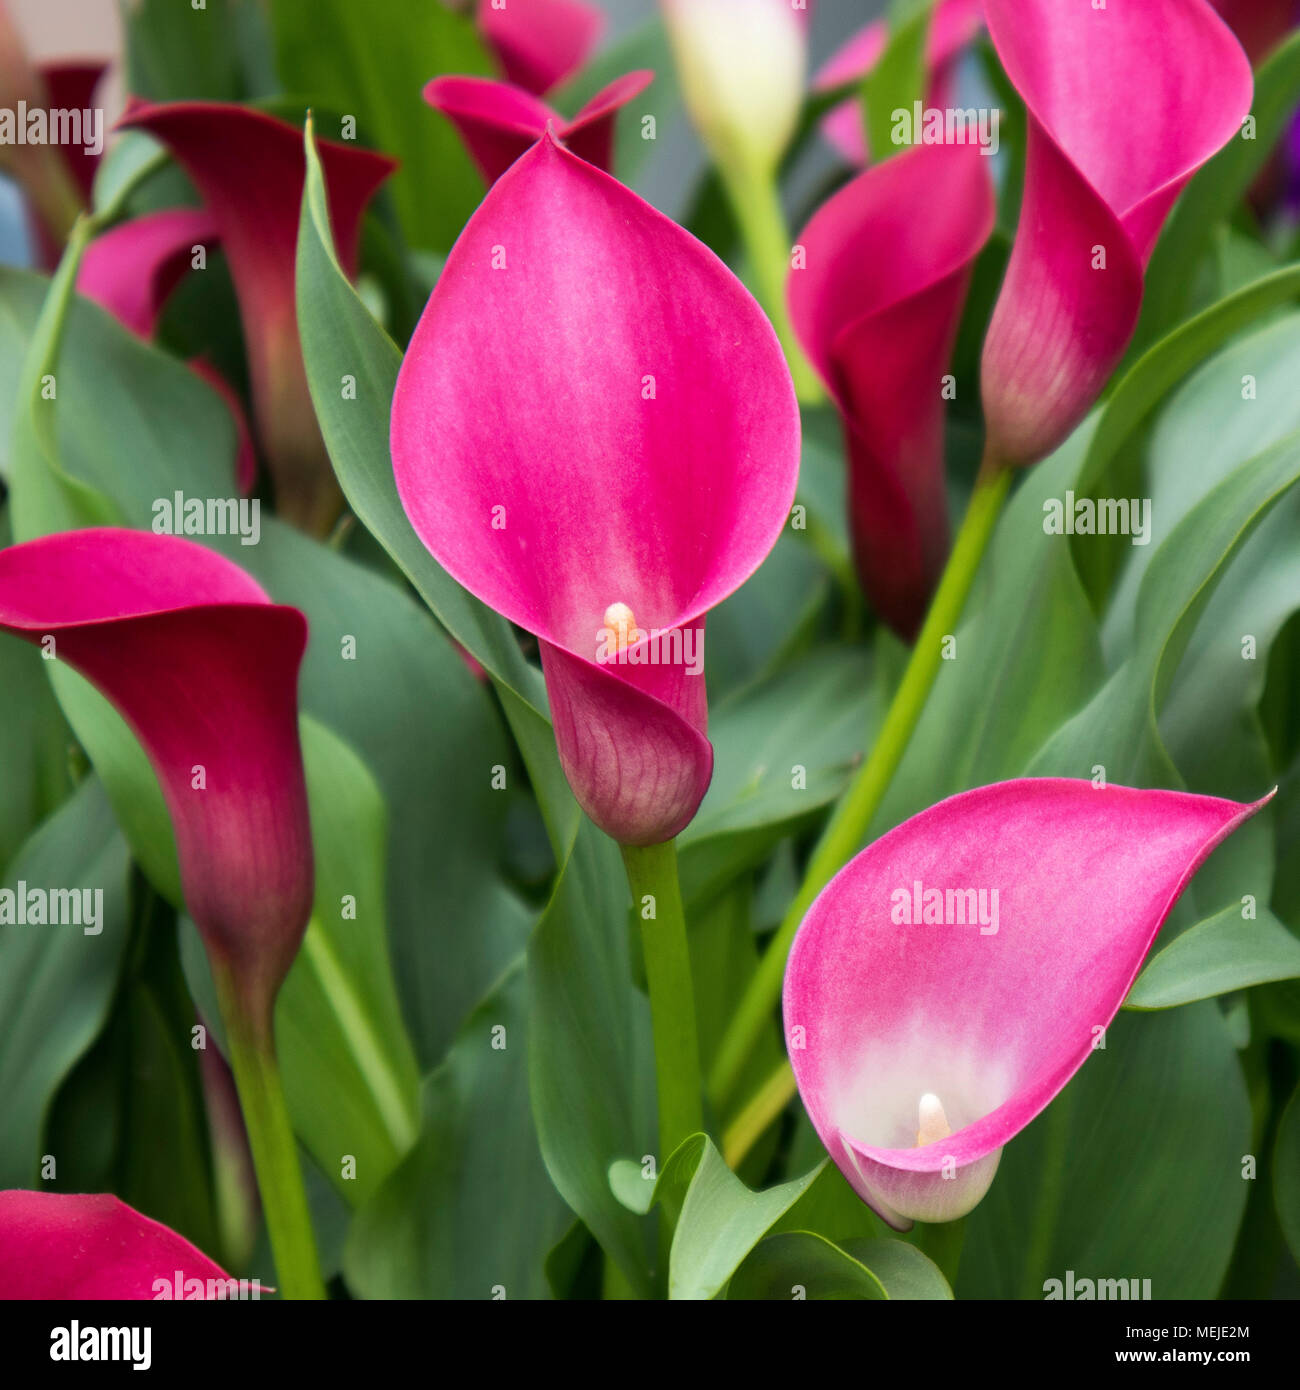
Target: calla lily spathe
1260	24
595	432
953	27
204	668
877	307
498	122
955	975
538	43
62	1246
250	169
1125	105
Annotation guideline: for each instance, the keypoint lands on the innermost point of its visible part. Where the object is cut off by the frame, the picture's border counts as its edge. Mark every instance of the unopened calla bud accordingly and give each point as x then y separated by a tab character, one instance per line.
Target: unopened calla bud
741	66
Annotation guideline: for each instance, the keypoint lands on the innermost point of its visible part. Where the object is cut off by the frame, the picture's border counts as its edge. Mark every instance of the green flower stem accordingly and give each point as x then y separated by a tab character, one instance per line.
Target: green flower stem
849	824
270	1135
652	873
756	203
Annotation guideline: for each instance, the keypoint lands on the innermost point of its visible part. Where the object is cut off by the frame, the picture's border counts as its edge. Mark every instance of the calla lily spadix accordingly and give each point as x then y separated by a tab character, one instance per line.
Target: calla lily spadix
1125	105
498	122
131	271
952	28
204	668
594	431
953	977
538	43
250	169
71	1246
877	307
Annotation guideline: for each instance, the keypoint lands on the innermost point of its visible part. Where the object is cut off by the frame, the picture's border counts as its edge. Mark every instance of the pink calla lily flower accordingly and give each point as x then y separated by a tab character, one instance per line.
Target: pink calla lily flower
538	43
499	122
131	271
1125	105
877	308
952	29
133	268
955	975
63	1246
595	432
204	668
250	169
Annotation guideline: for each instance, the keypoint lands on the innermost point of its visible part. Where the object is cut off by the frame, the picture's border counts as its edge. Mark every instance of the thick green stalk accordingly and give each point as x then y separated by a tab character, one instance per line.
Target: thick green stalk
652	876
848	826
270	1136
756	203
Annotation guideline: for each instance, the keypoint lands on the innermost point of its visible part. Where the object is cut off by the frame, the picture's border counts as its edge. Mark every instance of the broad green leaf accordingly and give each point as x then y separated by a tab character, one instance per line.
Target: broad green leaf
589	1049
57	982
1286	1174
183	53
720	1219
372	61
1216	956
1213	194
33	746
799	1265
1117	729
1134	1171
471	1209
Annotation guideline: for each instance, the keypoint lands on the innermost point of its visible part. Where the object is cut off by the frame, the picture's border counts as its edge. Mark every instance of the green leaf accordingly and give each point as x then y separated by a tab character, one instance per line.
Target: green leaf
471	1208
372	61
590	1053
798	1265
1216	956
1117	729
897	80
1286	1173
33	746
720	1220
56	982
1134	1171
1213	194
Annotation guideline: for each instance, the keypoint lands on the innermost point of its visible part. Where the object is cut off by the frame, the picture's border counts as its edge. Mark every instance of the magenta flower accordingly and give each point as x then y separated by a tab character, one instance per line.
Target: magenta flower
955	975
204	668
250	170
131	271
538	43
953	27
1125	105
877	309
595	432
499	122
64	1246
